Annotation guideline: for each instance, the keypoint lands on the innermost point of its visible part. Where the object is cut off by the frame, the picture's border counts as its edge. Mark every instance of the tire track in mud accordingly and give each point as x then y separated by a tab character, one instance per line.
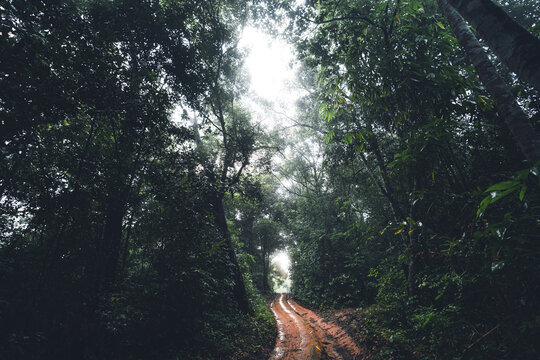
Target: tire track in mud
296	339
303	335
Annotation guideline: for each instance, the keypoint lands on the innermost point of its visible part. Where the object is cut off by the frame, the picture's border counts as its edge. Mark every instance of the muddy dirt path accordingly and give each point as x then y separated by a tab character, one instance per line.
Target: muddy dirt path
303	335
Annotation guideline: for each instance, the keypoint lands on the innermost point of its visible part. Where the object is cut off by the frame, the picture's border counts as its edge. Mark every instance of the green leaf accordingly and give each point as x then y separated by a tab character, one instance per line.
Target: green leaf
348	139
440	25
411	221
504	185
522	192
331	134
484	204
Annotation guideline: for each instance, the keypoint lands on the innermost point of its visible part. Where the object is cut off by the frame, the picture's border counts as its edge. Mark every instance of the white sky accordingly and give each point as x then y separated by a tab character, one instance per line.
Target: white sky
281	259
270	66
268	63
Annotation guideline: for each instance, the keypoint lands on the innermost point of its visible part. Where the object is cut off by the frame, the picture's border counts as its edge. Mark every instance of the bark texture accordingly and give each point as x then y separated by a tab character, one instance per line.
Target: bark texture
516	120
513	45
112	237
239	289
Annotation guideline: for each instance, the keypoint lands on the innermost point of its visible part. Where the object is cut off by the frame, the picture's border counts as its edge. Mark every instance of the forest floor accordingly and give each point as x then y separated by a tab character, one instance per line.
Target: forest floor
304	335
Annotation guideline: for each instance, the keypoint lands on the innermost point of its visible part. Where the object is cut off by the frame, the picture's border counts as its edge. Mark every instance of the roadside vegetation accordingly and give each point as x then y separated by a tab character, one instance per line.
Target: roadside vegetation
421	209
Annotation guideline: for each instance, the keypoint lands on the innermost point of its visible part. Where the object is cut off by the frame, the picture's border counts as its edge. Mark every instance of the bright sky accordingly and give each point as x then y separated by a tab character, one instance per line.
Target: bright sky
272	76
269	63
282	260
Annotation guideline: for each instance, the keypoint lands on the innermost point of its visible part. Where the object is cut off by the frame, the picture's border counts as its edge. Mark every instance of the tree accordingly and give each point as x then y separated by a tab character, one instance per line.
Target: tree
235	139
515	118
412	139
106	217
257	213
269	239
514	45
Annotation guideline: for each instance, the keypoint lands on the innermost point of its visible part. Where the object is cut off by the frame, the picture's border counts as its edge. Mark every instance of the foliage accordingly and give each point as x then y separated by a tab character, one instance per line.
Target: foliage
125	234
109	243
419	202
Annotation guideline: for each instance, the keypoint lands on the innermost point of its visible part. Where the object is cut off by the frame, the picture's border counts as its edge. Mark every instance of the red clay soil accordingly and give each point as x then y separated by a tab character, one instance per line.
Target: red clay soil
303	335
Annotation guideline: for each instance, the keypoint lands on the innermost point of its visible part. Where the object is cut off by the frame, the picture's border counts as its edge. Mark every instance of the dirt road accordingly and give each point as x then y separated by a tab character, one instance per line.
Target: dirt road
303	335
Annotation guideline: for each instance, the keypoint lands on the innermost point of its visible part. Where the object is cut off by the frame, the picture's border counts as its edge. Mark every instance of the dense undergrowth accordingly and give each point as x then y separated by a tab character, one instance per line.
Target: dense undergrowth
412	201
114	234
476	297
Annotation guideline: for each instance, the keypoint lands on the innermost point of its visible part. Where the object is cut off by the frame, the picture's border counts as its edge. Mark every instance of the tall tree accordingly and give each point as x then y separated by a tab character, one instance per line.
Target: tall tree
514	45
402	107
515	118
105	216
235	139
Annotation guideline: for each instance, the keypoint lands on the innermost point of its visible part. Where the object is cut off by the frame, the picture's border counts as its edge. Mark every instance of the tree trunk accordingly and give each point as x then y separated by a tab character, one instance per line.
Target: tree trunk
265	274
410	270
239	289
515	118
265	265
112	238
514	45
389	195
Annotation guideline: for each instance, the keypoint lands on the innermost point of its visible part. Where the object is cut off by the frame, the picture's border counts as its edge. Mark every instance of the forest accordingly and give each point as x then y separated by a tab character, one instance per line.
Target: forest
143	200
